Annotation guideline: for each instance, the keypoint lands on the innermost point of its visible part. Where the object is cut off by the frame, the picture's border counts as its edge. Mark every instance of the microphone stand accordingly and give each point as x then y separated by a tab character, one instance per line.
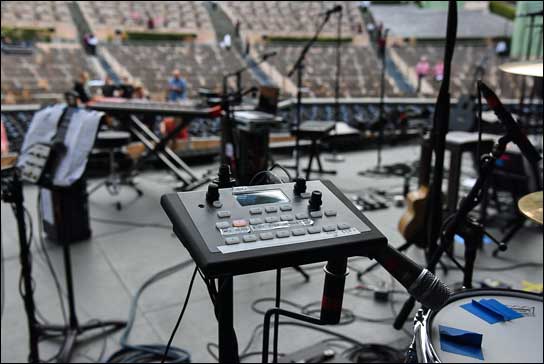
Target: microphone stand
299	68
459	222
381	122
335	158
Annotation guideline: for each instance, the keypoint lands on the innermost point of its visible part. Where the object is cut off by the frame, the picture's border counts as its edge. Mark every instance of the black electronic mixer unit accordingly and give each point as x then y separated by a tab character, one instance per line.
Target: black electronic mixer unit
246	229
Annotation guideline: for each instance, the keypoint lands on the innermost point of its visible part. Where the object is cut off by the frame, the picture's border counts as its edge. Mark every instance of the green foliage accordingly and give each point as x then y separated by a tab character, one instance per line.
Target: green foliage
503	8
153	36
28	34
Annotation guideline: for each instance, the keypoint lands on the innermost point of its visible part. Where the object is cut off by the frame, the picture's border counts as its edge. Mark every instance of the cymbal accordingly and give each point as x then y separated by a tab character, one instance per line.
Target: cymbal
531	206
527	68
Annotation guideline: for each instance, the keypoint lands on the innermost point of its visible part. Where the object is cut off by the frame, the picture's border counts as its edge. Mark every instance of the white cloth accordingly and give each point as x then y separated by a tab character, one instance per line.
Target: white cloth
79	141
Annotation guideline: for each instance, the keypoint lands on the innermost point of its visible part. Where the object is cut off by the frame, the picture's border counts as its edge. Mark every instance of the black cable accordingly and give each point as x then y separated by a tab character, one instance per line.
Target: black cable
277	165
130	353
49	264
165	356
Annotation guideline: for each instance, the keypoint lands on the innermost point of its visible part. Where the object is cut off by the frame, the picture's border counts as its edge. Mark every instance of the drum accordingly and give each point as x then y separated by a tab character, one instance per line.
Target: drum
515	341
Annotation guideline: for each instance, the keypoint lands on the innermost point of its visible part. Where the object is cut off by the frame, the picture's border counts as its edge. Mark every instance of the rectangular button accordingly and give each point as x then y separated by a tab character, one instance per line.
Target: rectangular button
250	238
305	195
239	223
232	240
256	221
343	226
286	207
223	214
272	219
314	230
316	214
328	228
301	216
271	209
330	213
287	217
222	224
283	234
297	232
255	211
266	236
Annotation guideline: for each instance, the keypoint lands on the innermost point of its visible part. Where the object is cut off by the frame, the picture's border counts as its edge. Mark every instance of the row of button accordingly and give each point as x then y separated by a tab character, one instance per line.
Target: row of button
250	238
269	209
299	216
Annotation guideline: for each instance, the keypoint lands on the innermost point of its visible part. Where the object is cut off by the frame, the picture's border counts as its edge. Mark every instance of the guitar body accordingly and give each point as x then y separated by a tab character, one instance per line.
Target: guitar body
411	224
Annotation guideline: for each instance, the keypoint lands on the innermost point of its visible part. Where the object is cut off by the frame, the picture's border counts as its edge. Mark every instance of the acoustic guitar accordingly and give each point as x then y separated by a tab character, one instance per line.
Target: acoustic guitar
412	222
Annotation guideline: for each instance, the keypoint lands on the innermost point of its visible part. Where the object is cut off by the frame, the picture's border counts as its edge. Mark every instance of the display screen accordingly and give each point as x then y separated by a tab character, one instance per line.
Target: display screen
261	197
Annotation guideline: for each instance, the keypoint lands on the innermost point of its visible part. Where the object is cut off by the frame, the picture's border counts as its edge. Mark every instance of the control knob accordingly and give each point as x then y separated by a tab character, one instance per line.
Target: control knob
315	201
300	186
213	193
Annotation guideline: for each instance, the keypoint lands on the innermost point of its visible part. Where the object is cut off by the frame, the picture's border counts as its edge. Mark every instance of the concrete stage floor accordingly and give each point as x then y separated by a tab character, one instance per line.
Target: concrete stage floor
112	265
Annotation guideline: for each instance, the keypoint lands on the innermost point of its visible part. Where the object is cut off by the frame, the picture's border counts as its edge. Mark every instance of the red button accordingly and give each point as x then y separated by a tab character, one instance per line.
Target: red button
239	223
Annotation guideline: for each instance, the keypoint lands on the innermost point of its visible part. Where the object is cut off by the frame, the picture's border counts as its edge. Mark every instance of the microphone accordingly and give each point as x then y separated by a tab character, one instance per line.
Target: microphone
336	9
267	55
512	127
333	290
420	283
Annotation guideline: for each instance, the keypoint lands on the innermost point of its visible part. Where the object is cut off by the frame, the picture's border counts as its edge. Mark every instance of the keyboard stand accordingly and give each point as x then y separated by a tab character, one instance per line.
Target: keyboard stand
158	146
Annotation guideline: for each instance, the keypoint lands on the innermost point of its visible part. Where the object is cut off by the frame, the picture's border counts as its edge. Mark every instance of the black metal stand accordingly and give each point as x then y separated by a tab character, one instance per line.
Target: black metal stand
457	223
12	192
74	329
335	157
299	69
36	330
228	346
381	120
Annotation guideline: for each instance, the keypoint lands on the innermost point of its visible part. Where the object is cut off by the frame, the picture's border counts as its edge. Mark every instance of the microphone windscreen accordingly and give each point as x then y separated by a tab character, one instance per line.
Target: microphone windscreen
430	291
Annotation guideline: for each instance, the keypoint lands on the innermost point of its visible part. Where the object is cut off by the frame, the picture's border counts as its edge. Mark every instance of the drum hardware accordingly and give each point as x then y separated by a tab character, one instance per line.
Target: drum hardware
457	222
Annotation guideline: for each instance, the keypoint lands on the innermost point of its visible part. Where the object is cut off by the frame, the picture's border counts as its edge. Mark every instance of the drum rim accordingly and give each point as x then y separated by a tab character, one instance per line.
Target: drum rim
470	292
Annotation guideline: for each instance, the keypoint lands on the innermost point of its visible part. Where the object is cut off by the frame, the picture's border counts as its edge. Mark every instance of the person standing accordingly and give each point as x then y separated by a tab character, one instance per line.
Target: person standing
93	43
177	87
422	70
81	87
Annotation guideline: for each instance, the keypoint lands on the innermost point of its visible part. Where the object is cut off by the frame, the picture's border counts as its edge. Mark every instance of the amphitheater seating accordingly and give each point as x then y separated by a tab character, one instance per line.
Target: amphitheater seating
291	17
54	15
48	70
465	60
201	65
360	75
36	11
133	15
